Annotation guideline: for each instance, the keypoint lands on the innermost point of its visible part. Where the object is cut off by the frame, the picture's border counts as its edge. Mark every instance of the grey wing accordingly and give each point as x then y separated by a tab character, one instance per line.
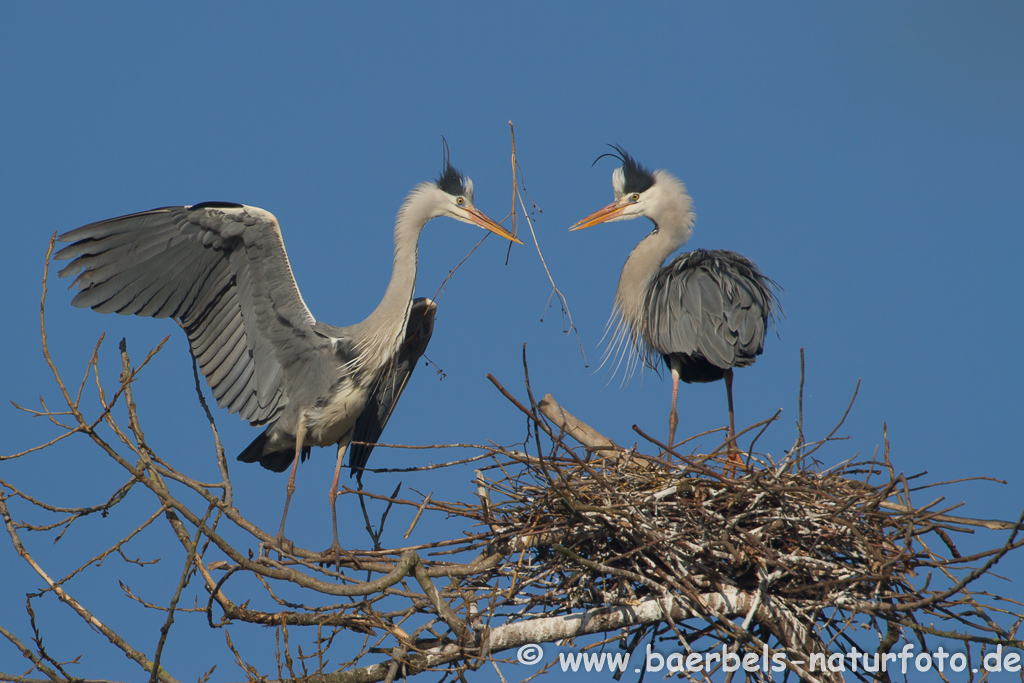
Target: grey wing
713	305
389	385
222	270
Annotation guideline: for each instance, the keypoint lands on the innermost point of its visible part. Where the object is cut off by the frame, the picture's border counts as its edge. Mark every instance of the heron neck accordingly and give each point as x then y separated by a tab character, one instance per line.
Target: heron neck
643	262
388	320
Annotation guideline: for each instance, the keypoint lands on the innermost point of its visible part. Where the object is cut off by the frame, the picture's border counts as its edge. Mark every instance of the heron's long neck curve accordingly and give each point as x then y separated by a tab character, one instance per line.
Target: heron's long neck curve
673	222
387	322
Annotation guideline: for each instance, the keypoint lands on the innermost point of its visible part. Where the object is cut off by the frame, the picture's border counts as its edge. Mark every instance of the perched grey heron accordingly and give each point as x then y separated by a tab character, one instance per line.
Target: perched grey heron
704	313
222	271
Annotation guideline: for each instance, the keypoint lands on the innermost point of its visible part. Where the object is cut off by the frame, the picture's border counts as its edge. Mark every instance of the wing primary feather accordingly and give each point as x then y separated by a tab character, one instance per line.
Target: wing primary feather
189	262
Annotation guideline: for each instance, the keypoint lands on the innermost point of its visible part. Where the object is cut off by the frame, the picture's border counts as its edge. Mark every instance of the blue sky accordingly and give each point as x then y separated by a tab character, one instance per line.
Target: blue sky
869	158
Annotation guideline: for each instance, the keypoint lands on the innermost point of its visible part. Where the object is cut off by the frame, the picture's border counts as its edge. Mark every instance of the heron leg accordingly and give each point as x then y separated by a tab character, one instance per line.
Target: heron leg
283	543
732	449
673	416
335	548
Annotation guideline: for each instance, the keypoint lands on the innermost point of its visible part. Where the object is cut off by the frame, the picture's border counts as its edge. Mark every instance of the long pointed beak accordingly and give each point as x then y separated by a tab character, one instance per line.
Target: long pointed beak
602	215
478	217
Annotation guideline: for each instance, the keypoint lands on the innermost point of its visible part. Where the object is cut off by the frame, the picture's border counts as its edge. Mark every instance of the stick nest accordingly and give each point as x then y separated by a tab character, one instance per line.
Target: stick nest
616	528
642	524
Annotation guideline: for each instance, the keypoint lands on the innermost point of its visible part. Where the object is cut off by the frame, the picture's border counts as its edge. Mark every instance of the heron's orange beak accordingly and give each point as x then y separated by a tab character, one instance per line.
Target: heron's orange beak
484	221
601	215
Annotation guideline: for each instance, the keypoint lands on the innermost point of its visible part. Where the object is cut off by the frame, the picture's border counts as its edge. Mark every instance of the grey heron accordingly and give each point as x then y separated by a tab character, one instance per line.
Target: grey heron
704	313
221	269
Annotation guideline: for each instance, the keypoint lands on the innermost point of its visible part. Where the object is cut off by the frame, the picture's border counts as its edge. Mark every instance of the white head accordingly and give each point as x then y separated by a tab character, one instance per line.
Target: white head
450	195
457	202
658	195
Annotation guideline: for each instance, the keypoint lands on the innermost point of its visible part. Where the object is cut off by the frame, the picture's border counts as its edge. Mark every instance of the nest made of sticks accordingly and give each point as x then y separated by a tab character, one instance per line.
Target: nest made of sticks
605	525
619	527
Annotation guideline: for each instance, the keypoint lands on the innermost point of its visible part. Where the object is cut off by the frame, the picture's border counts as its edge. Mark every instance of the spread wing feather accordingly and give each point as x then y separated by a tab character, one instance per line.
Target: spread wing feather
222	270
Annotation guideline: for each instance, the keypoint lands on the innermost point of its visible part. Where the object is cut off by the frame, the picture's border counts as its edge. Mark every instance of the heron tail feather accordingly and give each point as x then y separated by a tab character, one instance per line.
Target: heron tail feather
275	461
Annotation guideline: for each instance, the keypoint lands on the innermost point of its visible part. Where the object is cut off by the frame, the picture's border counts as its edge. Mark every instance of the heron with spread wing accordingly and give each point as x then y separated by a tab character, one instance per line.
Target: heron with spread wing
704	313
221	269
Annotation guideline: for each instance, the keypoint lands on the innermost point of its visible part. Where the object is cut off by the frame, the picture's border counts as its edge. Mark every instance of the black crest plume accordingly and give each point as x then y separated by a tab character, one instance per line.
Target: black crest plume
450	180
637	178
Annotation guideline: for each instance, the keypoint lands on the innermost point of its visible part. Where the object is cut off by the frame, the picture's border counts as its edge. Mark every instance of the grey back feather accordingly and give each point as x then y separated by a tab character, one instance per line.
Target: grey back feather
711	309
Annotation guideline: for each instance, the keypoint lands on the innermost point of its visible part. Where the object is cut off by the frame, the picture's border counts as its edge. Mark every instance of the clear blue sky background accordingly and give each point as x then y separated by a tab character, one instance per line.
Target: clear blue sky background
870	158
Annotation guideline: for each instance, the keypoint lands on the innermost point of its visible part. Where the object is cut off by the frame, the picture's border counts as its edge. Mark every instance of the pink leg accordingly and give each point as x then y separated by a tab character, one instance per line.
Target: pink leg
734	452
673	416
333	495
282	542
342	447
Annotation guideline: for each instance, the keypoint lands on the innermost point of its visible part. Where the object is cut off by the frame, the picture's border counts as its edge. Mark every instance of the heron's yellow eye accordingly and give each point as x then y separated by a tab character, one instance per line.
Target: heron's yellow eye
635	197
460	201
